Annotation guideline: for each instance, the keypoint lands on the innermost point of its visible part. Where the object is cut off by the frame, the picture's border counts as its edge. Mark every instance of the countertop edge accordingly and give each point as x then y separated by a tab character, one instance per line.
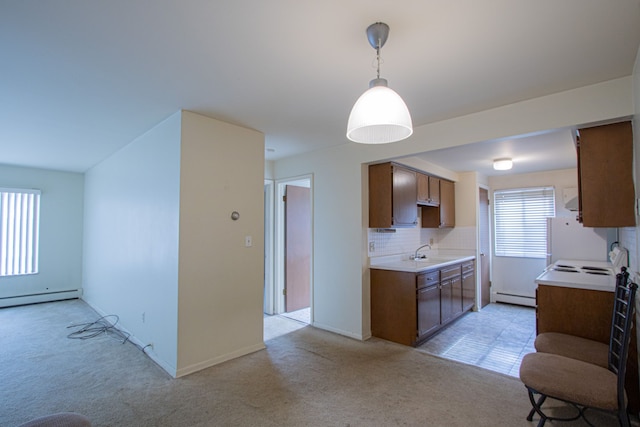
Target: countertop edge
419	266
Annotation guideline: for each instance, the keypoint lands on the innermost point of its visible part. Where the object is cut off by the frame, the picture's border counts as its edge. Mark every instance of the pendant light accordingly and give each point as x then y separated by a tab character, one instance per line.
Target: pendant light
380	115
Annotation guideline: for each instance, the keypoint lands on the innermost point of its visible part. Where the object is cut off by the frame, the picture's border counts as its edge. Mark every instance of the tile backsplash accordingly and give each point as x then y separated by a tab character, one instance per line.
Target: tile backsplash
628	240
407	240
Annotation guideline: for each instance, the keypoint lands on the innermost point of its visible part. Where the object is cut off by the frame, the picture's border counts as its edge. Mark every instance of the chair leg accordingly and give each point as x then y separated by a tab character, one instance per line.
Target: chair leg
533	409
536	408
623	417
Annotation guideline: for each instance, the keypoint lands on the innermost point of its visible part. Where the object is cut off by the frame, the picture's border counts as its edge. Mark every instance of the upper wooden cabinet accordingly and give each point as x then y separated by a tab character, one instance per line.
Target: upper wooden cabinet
428	190
392	196
605	176
444	215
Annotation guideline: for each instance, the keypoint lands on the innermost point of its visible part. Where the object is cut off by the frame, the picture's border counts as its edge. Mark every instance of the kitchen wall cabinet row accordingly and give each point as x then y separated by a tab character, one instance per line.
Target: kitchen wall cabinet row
396	192
408	308
606	194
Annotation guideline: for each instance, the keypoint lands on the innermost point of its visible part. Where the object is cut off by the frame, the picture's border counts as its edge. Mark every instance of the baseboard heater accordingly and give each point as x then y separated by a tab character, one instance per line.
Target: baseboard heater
43	297
515	299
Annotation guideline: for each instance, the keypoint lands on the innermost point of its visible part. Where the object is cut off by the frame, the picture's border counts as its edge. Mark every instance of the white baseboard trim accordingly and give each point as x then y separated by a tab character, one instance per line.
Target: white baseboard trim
514	299
359	337
37	298
217	360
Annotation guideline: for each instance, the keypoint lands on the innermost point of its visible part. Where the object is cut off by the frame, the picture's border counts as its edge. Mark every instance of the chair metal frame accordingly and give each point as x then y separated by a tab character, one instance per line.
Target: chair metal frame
621	323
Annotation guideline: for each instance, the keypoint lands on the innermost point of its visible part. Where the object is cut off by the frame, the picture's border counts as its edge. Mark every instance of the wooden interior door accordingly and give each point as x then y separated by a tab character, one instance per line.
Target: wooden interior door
297	251
485	247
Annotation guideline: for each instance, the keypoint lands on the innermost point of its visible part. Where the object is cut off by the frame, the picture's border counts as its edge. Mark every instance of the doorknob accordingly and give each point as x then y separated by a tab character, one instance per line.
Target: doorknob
481	253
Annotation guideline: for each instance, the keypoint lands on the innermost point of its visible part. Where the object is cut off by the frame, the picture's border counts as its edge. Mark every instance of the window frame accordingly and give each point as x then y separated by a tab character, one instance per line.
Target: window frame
19	213
521	236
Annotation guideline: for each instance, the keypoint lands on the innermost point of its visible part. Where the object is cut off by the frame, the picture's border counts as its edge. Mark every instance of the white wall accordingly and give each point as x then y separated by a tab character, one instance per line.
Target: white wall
341	277
629	235
516	276
220	297
60	255
131	239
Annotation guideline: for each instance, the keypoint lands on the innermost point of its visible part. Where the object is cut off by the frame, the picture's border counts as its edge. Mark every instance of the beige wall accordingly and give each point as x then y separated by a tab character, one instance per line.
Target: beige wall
220	294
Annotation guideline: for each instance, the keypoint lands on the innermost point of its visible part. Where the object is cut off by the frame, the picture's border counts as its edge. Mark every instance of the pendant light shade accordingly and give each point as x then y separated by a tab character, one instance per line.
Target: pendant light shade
380	115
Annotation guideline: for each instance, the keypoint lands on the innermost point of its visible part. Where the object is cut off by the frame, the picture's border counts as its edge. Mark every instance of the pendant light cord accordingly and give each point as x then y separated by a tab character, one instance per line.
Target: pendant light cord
378	57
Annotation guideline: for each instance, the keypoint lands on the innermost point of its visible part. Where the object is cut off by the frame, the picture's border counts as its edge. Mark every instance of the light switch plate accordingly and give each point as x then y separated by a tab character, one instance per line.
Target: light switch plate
248	241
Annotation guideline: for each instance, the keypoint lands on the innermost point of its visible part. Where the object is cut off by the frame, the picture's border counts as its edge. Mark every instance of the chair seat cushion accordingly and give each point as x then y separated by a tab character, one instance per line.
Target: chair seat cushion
573	347
570	380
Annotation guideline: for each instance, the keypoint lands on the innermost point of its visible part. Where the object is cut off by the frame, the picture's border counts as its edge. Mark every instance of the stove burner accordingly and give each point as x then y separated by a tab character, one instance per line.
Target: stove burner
565	269
598	273
565	266
595	269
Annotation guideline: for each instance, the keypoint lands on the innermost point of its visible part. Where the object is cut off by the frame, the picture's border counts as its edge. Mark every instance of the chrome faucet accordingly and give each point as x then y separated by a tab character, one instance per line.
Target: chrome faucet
416	256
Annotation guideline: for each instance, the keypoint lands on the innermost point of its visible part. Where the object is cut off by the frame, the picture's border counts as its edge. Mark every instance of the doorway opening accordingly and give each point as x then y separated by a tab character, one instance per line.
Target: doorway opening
288	279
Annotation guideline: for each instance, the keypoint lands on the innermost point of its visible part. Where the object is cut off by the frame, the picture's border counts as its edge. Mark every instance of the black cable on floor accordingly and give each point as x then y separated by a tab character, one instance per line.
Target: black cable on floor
99	327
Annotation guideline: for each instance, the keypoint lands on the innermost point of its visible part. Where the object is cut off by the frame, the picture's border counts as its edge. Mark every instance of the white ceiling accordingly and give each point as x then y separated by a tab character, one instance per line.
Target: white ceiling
544	151
80	79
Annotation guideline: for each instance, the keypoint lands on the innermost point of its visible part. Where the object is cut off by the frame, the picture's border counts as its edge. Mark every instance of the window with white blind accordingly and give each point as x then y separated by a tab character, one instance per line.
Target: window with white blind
520	221
19	226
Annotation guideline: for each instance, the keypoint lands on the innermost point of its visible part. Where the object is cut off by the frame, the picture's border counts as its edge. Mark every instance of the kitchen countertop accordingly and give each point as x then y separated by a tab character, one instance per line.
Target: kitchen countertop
434	260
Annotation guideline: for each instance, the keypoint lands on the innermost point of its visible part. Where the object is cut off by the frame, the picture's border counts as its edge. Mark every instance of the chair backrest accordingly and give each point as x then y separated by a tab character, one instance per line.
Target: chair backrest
623	314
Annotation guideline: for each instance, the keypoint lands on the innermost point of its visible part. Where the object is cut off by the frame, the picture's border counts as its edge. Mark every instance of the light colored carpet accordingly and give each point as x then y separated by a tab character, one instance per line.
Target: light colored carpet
306	378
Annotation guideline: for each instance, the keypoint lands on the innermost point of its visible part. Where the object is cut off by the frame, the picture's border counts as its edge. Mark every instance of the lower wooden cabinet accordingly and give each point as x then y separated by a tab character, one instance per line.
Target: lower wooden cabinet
408	308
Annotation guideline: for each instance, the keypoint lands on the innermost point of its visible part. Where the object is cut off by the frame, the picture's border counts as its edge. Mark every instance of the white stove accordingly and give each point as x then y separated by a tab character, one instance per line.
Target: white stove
594	275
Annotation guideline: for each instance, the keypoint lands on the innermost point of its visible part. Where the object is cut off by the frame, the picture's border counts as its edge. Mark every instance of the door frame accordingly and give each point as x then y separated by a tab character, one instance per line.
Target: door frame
269	226
489	255
279	259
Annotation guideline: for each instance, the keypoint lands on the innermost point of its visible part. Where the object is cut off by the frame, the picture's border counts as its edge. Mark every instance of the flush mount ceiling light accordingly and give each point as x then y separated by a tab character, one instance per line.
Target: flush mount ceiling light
379	116
502	164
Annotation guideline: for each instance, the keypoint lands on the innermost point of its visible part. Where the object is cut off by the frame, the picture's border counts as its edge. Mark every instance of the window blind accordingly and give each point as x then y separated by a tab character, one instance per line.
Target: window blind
520	221
19	228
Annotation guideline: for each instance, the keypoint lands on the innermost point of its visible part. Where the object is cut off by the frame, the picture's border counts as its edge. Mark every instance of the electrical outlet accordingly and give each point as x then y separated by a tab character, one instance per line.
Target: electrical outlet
144	317
431	241
372	246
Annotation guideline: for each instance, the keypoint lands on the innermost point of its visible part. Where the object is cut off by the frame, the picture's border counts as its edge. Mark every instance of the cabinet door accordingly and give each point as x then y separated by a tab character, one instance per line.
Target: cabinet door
468	290
380	195
423	188
446	301
405	208
428	310
434	190
605	176
428	190
447	204
456	296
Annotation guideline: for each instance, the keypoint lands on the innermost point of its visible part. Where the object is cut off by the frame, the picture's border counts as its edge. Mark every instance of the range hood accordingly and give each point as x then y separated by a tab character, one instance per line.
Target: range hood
570	198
